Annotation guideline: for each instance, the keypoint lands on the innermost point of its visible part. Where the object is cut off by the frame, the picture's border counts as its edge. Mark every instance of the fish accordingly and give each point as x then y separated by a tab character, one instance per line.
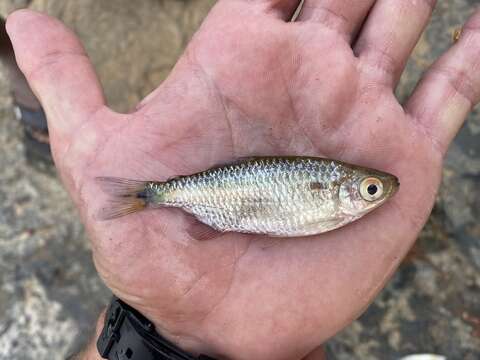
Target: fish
274	196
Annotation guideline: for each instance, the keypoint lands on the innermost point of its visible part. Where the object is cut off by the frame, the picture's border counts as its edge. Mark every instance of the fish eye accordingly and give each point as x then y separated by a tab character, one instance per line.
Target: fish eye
371	189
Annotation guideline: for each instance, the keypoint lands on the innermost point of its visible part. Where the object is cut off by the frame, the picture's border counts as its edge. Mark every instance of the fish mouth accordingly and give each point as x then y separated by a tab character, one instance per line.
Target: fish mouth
393	184
390	182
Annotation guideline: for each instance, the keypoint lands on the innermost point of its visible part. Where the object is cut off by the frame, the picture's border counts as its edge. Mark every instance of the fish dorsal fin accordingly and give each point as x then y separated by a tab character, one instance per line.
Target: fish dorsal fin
214	167
237	161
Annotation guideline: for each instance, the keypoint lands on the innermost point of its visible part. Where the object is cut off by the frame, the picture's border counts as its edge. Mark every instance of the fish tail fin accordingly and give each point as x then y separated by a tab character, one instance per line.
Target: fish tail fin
126	197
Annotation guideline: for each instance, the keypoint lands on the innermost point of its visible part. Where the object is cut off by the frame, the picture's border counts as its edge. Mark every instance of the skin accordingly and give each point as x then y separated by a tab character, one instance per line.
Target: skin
251	83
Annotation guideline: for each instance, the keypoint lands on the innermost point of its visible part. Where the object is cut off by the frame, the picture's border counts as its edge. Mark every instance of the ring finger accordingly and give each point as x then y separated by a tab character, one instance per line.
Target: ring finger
390	34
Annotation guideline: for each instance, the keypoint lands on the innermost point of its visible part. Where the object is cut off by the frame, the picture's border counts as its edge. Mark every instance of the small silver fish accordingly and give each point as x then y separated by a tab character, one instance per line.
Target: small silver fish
277	196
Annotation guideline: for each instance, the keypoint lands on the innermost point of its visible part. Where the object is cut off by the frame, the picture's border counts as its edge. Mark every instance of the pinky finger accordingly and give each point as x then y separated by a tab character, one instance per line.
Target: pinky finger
450	88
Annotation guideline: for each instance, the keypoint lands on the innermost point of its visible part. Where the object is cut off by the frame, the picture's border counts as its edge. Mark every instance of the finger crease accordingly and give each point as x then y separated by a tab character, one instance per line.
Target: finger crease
233	271
220	98
436	143
50	59
327	17
380	60
459	81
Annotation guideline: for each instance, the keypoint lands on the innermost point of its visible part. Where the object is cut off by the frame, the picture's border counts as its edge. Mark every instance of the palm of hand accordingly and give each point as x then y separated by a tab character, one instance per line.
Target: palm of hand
271	88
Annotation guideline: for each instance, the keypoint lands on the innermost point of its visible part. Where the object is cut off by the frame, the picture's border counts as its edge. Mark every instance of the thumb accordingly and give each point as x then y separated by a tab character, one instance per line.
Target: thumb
58	70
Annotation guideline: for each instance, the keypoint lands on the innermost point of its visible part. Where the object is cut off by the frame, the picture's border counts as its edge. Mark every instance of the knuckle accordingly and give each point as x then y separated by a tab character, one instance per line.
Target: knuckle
52	62
328	16
379	61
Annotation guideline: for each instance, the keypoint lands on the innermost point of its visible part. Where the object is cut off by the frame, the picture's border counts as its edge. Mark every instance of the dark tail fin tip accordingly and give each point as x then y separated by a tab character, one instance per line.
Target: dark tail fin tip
124	195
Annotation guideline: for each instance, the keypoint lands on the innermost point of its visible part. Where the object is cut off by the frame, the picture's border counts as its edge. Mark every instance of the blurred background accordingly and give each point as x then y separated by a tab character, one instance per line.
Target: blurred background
50	295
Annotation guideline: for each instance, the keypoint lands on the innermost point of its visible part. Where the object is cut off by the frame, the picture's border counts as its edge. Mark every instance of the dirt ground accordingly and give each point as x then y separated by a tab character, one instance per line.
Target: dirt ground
50	294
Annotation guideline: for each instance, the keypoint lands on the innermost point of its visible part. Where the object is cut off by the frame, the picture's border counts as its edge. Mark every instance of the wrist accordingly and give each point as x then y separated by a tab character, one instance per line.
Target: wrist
91	352
177	336
126	332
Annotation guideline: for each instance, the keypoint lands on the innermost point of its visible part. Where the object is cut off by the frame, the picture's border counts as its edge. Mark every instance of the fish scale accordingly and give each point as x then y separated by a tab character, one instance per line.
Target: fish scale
280	185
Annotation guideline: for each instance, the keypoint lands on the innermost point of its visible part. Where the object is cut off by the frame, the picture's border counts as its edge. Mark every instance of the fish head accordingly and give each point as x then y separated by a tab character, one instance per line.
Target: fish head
363	190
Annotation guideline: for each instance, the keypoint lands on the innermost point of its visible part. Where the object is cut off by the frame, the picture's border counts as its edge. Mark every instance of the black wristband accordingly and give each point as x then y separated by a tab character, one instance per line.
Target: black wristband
128	335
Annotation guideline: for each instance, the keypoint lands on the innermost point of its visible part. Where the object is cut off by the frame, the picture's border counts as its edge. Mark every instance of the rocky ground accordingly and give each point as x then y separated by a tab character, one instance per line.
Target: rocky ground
50	294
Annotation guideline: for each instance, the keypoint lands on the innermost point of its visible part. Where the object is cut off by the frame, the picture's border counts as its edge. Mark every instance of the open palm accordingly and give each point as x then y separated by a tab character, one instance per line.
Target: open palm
252	83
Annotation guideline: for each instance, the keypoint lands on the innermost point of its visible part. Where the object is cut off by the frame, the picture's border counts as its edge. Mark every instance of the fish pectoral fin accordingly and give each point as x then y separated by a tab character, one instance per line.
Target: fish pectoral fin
330	223
313	227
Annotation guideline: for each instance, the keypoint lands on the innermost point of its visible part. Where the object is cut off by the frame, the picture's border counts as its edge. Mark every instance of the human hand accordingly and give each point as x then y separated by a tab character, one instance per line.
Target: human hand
251	83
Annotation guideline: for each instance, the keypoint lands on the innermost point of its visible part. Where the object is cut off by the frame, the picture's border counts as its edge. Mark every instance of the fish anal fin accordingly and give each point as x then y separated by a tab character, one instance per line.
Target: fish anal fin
198	230
202	232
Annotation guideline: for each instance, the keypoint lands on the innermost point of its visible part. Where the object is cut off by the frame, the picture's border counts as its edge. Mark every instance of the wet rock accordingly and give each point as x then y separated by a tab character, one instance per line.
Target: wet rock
36	314
133	44
50	293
